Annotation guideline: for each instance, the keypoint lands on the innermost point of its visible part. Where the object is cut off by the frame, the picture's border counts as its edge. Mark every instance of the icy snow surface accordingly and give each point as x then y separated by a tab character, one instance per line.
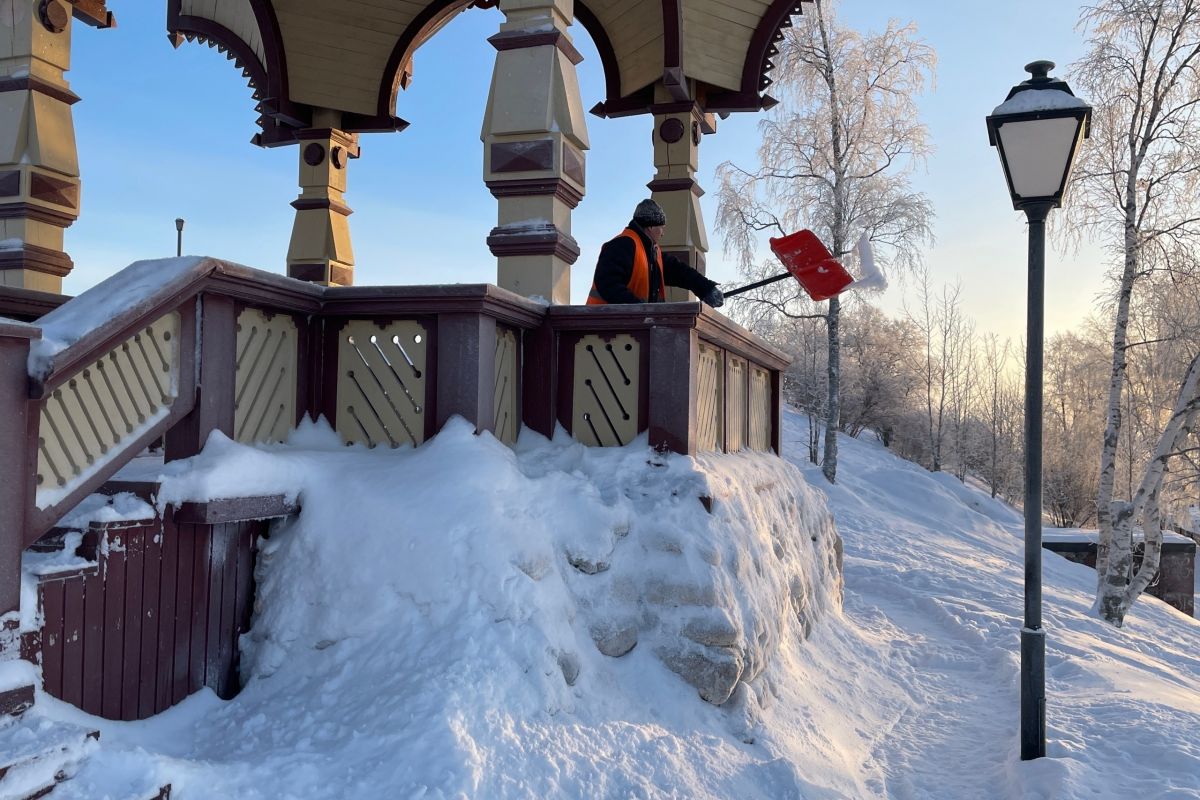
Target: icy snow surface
70	322
1038	100
399	653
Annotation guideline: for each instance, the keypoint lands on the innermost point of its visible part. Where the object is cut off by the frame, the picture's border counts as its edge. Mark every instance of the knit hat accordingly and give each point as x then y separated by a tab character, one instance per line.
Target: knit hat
649	213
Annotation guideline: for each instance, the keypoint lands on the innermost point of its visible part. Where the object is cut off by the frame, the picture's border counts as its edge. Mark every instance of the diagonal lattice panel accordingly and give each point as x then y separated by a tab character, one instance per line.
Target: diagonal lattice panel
381	383
605	401
760	409
108	403
264	404
736	397
507	417
710	388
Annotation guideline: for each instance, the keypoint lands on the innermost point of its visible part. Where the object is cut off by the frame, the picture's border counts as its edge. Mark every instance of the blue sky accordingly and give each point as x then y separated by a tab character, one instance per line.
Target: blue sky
165	133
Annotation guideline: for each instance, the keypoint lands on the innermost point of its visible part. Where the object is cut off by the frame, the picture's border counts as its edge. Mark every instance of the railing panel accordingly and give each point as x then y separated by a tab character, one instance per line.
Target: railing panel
381	382
760	409
265	377
736	414
710	397
606	386
507	414
111	401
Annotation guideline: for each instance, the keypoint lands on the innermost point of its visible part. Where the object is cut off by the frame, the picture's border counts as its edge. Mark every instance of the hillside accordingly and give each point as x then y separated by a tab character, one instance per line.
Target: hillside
423	634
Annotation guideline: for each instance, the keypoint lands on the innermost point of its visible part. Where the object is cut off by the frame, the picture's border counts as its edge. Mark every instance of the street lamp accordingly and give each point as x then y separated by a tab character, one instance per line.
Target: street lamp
178	236
1038	130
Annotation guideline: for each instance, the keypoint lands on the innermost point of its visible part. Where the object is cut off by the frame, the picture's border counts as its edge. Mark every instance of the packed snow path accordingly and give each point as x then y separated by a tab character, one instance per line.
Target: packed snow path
911	692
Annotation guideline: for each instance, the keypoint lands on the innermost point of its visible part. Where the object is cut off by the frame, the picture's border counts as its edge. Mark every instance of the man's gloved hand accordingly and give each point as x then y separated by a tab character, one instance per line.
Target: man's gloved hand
714	298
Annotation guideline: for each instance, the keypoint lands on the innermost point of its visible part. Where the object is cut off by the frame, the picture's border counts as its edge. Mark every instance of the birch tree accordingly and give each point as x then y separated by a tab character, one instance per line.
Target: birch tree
836	157
1125	584
995	359
1136	190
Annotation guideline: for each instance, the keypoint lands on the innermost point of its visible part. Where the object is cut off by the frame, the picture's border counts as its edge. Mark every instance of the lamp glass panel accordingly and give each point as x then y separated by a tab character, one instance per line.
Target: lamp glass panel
1038	152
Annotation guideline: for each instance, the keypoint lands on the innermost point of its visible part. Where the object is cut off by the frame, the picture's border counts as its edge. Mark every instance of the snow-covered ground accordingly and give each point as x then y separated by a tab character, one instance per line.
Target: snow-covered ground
423	665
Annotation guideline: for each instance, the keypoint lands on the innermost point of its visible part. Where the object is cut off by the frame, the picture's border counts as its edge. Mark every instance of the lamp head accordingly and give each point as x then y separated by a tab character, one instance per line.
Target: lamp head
1038	130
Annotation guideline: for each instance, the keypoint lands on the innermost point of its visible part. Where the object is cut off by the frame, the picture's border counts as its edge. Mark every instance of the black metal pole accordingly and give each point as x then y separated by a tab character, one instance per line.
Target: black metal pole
1033	638
756	284
178	237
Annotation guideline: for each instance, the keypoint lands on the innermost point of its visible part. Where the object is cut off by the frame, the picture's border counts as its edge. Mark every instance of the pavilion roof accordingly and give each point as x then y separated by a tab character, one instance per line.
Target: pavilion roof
354	56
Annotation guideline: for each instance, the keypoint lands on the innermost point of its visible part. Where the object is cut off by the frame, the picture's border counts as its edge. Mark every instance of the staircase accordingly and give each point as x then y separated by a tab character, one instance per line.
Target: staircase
44	758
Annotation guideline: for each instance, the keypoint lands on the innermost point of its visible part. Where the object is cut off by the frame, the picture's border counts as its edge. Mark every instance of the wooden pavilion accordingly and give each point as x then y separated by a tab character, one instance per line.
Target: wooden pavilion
215	346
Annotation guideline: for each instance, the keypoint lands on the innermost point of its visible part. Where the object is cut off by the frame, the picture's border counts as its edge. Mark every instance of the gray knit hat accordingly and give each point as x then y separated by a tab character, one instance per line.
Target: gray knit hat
649	213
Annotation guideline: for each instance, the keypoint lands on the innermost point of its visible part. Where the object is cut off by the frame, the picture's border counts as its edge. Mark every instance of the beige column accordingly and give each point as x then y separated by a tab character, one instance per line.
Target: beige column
39	165
320	249
534	138
677	131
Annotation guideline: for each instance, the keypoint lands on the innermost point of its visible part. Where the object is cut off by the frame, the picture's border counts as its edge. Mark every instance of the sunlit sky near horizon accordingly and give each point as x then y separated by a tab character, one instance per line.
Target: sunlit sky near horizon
165	133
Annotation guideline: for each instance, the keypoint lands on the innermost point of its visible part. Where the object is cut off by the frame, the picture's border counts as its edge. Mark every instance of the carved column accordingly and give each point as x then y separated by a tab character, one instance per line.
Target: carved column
677	131
320	249
534	138
39	165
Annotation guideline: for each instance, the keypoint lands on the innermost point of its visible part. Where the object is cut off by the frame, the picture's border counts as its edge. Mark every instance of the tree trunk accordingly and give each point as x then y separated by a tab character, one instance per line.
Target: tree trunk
1113	559
834	406
1115	604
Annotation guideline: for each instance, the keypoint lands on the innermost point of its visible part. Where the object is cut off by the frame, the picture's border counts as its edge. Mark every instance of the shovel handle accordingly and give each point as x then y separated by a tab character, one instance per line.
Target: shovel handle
756	284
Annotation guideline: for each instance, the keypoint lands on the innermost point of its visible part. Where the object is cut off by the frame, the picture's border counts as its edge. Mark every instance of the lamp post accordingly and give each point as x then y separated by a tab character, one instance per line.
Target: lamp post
178	237
1038	130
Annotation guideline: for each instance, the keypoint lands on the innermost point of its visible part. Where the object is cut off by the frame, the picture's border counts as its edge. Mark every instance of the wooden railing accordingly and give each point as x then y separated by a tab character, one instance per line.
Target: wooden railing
685	375
177	350
207	345
216	346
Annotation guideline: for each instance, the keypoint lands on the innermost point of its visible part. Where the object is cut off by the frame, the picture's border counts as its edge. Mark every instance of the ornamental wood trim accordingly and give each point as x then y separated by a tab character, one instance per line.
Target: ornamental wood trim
109	403
381	383
236	16
605	395
264	404
710	398
507	409
760	409
736	404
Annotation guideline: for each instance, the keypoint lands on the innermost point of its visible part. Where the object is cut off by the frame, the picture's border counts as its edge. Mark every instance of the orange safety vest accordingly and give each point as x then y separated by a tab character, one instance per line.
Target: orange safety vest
639	281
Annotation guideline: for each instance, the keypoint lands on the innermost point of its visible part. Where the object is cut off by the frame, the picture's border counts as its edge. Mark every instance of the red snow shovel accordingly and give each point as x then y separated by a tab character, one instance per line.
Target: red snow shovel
809	263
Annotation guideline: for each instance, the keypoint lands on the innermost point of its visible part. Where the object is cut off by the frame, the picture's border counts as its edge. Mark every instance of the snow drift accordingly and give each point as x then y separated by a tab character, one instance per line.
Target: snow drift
454	686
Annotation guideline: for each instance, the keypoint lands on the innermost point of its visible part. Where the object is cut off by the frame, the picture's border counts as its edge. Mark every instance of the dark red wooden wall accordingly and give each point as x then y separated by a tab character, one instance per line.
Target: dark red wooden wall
157	618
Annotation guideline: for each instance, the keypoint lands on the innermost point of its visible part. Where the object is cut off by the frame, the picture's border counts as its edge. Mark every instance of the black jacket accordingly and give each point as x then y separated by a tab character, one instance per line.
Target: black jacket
614	269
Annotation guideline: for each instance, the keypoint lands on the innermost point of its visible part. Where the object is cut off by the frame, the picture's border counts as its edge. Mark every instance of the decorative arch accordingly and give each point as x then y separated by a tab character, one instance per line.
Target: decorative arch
268	82
398	73
755	69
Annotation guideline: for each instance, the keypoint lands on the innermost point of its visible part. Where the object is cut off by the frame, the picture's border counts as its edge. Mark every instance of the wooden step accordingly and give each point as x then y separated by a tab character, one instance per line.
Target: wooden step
37	754
100	777
14	702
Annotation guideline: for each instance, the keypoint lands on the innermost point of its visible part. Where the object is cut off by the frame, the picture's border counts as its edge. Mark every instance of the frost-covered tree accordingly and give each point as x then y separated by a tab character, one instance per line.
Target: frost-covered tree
996	411
1136	189
878	381
836	157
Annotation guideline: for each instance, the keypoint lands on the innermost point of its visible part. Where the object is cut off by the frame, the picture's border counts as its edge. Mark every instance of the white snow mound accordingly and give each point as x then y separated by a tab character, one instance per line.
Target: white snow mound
452	606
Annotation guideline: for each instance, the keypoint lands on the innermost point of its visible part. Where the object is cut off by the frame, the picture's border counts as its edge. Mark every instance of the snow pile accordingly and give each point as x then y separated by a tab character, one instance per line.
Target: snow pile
446	677
577	550
436	620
